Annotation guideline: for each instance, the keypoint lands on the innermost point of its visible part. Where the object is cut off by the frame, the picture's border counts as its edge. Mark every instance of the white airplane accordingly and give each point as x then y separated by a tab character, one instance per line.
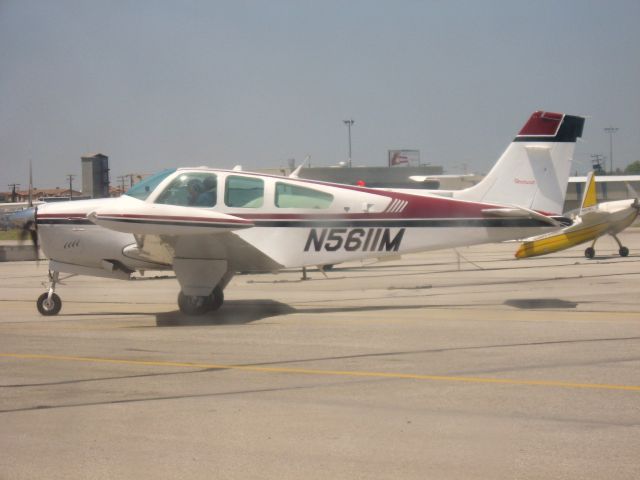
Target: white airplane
207	224
592	221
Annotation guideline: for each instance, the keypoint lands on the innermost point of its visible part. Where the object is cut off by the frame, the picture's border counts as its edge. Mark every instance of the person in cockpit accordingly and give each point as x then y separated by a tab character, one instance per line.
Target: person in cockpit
207	198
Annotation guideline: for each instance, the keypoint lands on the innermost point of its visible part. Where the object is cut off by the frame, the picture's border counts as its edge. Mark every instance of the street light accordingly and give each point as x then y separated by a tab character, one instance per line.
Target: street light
611	131
348	123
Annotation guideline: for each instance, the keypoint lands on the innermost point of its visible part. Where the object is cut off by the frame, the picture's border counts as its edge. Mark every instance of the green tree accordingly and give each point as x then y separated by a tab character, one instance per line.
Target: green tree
633	168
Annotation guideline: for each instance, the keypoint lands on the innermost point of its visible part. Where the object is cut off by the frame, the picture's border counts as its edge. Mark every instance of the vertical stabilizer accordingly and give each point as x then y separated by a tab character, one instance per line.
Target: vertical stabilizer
533	172
589	197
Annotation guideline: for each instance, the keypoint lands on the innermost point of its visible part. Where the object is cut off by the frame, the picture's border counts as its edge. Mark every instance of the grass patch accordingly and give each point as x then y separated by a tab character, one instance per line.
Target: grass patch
9	234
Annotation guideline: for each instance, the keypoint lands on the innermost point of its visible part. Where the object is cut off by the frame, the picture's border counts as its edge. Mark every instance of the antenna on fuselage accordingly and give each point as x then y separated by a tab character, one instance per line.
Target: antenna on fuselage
30	185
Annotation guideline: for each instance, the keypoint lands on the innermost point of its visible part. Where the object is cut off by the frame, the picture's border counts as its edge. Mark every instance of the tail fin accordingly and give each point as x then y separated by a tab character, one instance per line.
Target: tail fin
533	172
589	198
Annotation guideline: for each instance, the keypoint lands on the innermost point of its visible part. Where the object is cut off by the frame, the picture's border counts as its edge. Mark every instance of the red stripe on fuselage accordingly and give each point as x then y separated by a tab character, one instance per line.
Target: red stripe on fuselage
107	216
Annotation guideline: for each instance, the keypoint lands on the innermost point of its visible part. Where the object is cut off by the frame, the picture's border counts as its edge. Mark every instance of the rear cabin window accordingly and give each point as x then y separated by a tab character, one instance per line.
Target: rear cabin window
196	189
244	192
293	196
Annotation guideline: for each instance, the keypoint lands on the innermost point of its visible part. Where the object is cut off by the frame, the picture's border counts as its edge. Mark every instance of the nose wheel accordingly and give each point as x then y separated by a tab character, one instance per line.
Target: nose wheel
49	303
199	305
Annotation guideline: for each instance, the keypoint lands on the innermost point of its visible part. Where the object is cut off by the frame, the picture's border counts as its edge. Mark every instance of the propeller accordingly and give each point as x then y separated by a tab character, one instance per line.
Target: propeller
25	221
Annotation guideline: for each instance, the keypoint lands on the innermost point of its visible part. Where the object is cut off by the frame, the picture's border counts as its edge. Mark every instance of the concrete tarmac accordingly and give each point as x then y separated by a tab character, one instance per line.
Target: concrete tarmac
436	365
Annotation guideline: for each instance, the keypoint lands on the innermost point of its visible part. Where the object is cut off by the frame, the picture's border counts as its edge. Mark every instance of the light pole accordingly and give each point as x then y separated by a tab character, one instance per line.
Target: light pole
611	131
596	162
348	123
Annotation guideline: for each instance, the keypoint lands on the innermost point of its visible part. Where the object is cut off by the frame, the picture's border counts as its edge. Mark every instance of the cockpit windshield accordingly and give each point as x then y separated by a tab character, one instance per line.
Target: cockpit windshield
198	189
144	188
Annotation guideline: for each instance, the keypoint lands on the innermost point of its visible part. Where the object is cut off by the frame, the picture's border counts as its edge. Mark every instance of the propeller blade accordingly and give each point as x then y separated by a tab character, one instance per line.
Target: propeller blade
22	233
34	233
25	220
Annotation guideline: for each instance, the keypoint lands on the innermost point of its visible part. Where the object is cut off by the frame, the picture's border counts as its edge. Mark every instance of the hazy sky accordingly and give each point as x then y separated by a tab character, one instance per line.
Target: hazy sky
154	84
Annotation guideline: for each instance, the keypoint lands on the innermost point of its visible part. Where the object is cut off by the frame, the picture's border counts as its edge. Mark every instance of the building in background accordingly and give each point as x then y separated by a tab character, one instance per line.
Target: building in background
95	175
371	176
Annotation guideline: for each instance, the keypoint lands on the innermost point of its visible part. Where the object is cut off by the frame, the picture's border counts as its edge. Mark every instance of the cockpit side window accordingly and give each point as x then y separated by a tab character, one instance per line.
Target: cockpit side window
195	189
143	189
244	192
294	196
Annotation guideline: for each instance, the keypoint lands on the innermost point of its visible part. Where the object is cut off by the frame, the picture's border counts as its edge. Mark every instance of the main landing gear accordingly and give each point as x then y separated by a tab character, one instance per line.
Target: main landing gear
49	303
197	305
590	252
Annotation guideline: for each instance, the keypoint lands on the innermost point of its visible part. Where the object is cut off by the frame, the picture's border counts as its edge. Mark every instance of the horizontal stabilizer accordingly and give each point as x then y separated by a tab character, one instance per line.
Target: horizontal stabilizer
519	213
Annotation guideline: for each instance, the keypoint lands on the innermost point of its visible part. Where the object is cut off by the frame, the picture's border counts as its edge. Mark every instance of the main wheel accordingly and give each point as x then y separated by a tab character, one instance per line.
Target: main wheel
48	307
624	251
590	252
192	304
215	300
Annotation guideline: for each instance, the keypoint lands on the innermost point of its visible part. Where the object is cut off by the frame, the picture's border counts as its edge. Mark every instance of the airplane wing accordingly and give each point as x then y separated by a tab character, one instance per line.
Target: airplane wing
144	218
165	232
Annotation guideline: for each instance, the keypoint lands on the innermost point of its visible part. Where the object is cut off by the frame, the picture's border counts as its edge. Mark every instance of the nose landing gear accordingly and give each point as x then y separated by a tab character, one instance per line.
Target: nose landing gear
49	303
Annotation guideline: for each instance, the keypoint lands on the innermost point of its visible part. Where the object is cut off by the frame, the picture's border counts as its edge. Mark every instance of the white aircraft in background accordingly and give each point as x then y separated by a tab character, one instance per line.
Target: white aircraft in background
592	221
207	224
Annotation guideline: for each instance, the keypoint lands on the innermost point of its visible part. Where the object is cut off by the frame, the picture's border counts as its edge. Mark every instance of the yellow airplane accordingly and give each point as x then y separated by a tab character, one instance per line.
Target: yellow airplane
592	221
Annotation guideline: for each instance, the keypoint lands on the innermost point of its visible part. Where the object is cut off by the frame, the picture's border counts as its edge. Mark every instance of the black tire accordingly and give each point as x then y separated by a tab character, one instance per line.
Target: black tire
590	252
49	308
192	305
215	300
624	251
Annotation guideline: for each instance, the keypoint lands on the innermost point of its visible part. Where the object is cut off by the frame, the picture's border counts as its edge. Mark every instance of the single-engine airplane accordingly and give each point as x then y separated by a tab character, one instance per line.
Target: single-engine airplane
207	224
590	222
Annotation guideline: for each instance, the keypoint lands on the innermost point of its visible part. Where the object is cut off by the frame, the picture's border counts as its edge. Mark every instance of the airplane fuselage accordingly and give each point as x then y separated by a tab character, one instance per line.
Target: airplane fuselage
293	240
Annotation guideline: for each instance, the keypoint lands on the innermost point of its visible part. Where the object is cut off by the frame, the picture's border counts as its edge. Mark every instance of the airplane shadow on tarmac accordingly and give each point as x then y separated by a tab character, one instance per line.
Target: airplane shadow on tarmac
240	312
536	303
233	312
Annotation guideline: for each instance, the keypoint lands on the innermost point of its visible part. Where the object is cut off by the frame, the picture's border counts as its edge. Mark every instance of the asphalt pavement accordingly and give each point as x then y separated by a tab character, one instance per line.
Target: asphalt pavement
446	365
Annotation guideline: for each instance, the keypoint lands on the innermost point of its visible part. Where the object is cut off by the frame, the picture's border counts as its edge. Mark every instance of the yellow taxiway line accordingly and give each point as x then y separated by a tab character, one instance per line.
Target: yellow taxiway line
344	373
